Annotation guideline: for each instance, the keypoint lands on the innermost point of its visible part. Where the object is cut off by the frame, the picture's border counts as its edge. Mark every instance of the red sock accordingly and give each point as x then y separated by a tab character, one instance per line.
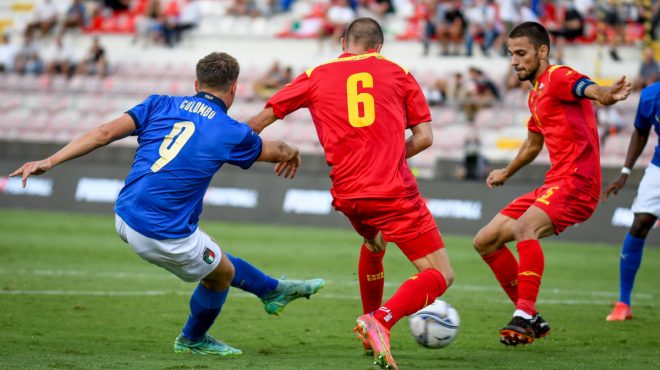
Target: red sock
505	268
529	274
372	279
413	295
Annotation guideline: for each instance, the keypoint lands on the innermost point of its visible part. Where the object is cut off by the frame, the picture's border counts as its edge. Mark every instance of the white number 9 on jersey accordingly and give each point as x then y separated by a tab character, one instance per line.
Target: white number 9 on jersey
173	143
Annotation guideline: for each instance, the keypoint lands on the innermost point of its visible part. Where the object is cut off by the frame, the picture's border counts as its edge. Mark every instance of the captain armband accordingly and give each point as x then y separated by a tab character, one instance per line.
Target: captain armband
581	85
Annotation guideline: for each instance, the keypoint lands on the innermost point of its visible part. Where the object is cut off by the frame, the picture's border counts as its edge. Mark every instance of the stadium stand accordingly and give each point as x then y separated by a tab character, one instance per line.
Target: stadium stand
54	108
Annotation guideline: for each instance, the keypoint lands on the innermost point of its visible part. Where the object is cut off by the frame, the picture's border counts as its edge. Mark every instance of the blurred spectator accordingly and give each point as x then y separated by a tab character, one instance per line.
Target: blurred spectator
242	8
381	8
273	80
437	93
59	57
76	15
649	70
482	93
482	28
456	89
45	18
337	18
118	5
188	19
569	26
27	59
474	163
148	26
450	27
611	21
8	52
96	62
610	122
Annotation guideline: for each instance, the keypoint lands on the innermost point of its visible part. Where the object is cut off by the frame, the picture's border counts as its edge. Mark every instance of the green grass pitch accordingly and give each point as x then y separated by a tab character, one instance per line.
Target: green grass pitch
74	296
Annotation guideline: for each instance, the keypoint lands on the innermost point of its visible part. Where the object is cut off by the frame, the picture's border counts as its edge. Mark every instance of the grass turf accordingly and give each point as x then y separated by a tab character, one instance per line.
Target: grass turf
73	296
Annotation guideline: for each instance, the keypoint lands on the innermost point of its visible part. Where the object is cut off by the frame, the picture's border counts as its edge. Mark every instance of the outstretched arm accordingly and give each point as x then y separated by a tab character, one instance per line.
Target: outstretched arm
422	138
78	147
286	156
262	120
637	143
608	95
528	151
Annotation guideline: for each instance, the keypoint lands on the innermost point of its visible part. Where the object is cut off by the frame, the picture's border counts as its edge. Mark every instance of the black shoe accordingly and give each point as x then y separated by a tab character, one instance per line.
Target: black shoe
540	326
518	331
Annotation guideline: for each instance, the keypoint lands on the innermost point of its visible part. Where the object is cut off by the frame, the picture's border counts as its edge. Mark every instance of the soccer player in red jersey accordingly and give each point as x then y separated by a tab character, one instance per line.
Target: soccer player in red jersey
361	105
565	121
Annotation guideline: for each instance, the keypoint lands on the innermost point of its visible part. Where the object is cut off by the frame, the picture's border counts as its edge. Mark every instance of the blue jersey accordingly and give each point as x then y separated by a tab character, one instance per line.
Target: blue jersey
648	114
182	143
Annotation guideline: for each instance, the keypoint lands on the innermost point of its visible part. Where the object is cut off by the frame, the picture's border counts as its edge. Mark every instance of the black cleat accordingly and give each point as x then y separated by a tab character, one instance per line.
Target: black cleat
541	327
518	331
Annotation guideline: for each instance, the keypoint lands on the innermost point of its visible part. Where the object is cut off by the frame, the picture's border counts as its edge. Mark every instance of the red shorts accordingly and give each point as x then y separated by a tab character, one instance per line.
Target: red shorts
404	221
563	202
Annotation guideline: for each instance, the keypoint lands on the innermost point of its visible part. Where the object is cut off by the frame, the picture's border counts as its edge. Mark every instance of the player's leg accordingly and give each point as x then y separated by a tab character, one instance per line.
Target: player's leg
215	272
408	223
275	294
631	259
371	275
490	243
528	229
647	210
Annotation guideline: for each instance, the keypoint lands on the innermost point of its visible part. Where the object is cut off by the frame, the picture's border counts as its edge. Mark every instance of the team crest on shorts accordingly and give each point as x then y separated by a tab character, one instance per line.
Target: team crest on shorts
208	256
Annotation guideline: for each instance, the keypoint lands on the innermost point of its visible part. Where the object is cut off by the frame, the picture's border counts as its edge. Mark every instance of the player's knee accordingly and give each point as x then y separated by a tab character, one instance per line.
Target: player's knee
449	277
642	224
483	241
220	279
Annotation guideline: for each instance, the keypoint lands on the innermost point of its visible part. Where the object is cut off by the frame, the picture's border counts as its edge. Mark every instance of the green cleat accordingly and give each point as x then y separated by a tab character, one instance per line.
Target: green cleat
207	345
289	290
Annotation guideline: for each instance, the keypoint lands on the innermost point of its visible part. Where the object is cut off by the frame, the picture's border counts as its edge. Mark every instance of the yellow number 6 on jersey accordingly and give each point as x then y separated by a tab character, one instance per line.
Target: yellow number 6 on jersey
173	143
354	99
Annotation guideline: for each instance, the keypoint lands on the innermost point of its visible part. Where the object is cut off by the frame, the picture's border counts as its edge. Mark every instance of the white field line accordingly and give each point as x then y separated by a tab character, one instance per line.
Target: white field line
355	297
352	283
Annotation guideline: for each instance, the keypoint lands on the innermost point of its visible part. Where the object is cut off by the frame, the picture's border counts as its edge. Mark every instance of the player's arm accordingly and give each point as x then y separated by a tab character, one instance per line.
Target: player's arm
422	138
606	95
78	147
286	156
262	120
529	150
638	141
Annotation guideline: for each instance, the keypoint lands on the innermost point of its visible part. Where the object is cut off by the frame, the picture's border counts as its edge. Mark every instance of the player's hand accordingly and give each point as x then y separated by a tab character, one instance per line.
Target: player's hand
288	168
32	168
496	177
617	92
615	186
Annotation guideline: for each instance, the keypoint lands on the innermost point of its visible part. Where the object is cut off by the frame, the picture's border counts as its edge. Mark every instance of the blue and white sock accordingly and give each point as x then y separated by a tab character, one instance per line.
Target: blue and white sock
631	258
250	278
205	306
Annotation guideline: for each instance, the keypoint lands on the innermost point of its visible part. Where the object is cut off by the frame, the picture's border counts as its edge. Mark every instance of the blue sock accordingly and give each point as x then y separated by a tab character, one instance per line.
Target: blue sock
250	278
205	306
631	258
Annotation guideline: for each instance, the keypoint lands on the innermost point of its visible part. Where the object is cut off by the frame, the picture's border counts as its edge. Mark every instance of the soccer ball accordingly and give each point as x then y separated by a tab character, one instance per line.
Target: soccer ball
436	325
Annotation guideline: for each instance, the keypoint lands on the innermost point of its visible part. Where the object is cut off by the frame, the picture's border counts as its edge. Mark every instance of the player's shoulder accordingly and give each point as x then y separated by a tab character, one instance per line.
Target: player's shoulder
561	70
350	58
652	91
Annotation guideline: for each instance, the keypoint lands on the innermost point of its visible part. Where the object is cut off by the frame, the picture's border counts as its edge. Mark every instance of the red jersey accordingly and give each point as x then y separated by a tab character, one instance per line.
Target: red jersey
568	126
361	106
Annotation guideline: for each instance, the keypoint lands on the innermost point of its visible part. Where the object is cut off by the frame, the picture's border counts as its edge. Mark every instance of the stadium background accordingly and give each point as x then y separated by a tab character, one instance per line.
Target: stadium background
42	110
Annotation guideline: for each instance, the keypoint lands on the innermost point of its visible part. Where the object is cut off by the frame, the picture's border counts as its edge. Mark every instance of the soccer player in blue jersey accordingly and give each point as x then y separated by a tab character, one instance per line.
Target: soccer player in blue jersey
182	143
646	206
